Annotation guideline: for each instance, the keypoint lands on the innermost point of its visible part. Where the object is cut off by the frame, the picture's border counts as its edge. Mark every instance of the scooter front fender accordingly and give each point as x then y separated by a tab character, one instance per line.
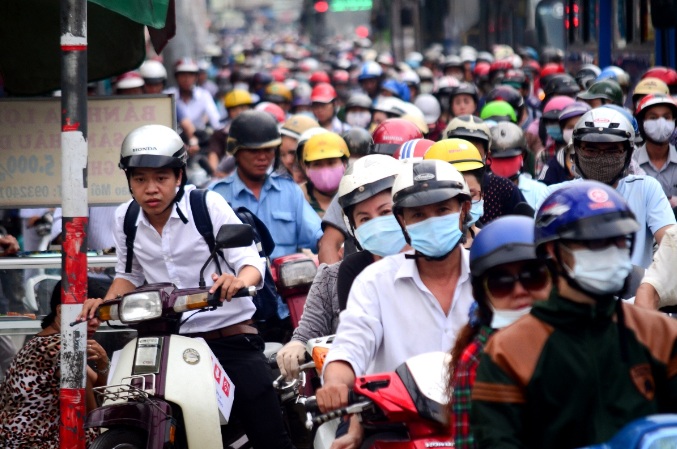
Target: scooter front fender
150	418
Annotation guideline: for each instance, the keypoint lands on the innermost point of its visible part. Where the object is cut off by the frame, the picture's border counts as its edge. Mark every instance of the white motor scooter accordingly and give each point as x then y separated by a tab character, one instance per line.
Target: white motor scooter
166	390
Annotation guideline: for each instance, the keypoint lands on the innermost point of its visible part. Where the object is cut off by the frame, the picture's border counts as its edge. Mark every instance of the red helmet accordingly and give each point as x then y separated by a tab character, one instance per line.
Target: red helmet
279	74
481	69
323	93
650	101
340	76
413	149
272	109
319	77
552	68
501	65
392	133
665	74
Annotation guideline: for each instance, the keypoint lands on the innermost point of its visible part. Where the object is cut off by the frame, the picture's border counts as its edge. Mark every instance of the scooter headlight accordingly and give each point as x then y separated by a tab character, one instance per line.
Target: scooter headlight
140	306
297	272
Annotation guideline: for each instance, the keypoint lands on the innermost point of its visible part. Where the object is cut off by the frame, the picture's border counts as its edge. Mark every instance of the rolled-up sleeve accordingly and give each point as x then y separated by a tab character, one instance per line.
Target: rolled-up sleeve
360	331
661	272
136	277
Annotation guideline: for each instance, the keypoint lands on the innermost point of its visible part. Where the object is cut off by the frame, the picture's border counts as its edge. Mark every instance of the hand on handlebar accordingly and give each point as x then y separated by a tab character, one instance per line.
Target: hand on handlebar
229	285
332	396
89	309
290	357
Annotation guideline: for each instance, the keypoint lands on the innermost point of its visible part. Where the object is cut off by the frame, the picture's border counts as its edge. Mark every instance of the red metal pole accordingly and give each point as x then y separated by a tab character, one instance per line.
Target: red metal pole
75	213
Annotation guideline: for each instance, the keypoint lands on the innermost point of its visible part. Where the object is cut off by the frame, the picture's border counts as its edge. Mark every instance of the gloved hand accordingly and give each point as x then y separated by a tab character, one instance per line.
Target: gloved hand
290	357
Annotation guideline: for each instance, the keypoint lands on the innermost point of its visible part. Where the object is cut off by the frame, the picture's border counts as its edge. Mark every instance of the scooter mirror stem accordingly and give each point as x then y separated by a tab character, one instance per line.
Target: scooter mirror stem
201	284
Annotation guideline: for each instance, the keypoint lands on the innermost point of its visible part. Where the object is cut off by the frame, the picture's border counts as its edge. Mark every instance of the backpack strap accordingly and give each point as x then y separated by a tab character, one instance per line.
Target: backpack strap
129	227
203	222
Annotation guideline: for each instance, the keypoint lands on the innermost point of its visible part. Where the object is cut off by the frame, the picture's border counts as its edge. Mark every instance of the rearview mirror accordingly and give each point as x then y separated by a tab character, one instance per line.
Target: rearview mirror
234	236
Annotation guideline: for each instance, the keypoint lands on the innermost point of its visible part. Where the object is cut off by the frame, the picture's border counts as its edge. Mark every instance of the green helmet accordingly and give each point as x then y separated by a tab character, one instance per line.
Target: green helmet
606	89
498	111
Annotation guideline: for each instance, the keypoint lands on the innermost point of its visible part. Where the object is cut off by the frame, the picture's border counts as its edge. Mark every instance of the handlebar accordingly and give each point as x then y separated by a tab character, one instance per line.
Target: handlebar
215	298
356	404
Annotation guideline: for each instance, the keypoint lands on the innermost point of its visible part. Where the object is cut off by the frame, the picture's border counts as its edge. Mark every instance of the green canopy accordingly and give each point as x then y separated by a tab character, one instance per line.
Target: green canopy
30	49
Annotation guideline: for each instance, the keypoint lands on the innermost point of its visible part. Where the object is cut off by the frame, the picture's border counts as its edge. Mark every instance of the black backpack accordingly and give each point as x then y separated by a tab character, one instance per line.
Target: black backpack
266	298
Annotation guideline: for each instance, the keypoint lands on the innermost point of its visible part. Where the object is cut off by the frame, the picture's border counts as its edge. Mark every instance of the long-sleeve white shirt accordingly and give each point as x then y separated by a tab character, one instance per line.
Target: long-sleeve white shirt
391	316
177	255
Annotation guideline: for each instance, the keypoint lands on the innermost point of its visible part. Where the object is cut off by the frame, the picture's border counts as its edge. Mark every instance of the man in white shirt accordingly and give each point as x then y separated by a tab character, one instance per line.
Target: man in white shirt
407	304
169	248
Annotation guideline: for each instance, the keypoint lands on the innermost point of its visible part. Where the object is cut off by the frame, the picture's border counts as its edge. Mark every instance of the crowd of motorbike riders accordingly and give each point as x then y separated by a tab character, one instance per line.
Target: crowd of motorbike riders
491	205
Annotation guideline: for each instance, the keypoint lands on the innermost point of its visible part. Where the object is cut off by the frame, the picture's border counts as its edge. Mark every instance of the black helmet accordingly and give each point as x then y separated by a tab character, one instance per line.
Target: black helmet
508	94
467	89
253	129
561	84
359	141
551	54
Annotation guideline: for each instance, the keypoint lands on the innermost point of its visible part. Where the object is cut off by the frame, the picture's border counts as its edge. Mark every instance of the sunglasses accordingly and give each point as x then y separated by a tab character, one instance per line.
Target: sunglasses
500	283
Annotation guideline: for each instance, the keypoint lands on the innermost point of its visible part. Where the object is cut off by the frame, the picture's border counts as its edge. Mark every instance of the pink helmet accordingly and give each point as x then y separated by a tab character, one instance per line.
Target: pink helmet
555	105
272	109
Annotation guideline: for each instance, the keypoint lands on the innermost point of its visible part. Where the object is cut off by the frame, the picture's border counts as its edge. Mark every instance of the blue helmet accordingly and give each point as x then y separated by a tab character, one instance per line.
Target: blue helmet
370	69
585	210
507	239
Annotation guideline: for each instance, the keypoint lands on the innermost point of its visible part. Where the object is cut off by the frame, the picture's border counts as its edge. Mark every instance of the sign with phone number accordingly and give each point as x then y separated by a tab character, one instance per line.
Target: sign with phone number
30	147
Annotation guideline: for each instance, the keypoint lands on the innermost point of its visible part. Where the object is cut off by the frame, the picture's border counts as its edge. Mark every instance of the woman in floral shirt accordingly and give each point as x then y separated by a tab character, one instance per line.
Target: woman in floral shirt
506	280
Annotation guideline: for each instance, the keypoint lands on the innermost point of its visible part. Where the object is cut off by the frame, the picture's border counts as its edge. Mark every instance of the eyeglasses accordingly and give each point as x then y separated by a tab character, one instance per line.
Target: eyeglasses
597	152
500	283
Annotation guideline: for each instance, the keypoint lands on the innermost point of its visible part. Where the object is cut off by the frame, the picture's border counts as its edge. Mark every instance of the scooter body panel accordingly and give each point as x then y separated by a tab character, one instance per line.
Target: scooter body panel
192	387
187	380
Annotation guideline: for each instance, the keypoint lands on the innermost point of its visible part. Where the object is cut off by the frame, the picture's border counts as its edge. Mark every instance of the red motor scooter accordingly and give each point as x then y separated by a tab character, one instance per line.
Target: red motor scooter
404	409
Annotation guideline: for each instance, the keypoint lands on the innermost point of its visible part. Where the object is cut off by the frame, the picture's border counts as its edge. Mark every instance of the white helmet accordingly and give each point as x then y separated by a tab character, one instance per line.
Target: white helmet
366	177
153	72
430	107
603	125
390	105
410	77
153	146
420	183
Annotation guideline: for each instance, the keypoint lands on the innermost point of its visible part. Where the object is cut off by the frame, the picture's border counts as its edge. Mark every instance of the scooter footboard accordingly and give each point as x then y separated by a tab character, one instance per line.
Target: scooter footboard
154	418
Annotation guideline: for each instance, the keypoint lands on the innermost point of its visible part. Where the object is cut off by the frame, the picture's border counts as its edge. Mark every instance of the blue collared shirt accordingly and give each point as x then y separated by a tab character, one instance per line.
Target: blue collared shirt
292	223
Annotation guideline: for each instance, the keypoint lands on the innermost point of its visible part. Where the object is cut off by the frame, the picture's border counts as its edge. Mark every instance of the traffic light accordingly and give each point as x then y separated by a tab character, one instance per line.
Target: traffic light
321	6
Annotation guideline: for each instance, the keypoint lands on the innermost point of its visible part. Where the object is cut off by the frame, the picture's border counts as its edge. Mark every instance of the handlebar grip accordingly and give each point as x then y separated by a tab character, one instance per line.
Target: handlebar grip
215	298
244	292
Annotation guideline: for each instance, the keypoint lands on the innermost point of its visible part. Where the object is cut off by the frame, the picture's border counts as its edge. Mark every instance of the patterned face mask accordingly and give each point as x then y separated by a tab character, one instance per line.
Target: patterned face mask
605	168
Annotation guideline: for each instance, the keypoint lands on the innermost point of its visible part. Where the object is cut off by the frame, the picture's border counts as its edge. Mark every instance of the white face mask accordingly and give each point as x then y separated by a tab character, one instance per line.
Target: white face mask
659	130
601	272
359	119
504	318
426	87
567	135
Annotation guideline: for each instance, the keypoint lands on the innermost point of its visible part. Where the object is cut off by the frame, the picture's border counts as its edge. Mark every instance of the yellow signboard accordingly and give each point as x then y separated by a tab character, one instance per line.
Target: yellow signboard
30	147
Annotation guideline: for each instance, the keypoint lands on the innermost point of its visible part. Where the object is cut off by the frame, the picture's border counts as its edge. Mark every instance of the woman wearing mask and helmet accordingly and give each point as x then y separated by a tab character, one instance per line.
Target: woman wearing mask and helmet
325	158
364	194
506	279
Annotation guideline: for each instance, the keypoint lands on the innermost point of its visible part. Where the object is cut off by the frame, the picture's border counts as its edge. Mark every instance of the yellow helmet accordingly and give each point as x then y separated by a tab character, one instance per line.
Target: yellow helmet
237	97
418	121
649	86
325	146
460	153
277	93
296	125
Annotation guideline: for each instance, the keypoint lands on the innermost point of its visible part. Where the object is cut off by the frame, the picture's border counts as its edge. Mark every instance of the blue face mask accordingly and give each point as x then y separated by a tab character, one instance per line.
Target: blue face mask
555	132
436	236
381	236
476	212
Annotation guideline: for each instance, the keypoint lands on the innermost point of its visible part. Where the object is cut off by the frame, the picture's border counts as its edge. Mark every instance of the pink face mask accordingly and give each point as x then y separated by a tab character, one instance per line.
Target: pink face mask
326	179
